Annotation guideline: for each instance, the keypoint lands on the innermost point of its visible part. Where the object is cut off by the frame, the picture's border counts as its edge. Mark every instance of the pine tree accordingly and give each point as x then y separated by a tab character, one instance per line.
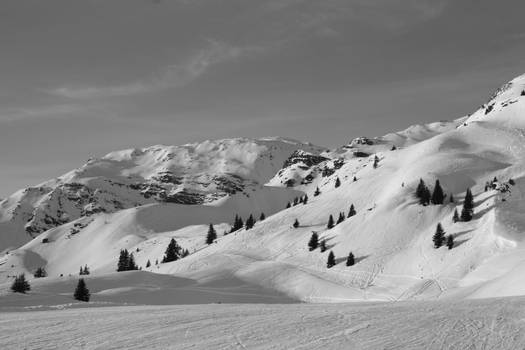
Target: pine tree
288	205
240	224
376	161
172	252
296	223
451	198
40	272
123	260
20	284
337	182
331	260
522	92
341	218
305	199
131	263
262	217
352	211
84	270
423	193
450	241
393	148
314	241
295	201
355	179
468	207
250	222
156	261
437	196
212	235
439	236
455	217
350	261
317	192
330	222
81	291
148	264
185	253
322	246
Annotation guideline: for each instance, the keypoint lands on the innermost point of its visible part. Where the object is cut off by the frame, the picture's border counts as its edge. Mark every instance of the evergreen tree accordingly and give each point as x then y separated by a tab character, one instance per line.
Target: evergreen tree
295	201
317	192
250	222
40	272
331	260
355	179
123	260
314	241
131	263
468	207
455	217
262	217
350	261
211	236
322	246
185	253
330	222
296	223
240	224
288	205
156	261
423	193
337	182
376	161
81	291
437	196
439	236
451	198
148	264
84	270
393	148
172	252
305	199
20	284
341	218
450	241
351	212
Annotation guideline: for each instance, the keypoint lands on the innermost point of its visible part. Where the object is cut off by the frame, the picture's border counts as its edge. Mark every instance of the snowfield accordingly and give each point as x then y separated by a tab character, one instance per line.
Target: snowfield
476	324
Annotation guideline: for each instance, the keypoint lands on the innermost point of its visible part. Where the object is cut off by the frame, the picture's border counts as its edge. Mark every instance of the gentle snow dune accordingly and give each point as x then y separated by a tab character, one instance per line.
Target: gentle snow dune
495	324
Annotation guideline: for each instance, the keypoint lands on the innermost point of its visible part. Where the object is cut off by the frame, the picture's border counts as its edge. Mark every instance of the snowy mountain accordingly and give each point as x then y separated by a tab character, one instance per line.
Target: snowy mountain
140	199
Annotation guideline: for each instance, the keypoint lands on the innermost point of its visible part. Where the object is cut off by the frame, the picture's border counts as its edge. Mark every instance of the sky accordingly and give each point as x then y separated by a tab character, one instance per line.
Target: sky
81	78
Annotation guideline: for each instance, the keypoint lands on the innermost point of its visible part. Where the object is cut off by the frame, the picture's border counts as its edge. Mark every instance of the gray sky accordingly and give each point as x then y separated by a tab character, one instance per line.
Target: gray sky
80	78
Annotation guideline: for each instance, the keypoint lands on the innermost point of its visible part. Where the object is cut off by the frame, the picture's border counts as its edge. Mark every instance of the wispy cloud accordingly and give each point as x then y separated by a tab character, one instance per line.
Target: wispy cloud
177	75
25	113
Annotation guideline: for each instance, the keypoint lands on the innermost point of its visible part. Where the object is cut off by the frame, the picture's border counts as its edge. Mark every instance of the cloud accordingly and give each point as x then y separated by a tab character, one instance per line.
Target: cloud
23	113
173	76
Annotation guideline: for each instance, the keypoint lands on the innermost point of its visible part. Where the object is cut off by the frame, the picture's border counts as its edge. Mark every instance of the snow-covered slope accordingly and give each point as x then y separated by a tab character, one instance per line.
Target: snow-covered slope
390	236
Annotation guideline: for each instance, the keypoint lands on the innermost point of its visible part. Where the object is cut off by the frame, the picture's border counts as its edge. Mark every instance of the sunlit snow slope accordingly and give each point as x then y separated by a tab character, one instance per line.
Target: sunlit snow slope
390	237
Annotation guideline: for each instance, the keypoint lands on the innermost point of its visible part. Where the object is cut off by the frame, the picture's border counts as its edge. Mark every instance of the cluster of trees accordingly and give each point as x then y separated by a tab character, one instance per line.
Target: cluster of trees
467	212
314	243
425	197
21	285
40	272
441	239
84	270
173	252
250	222
126	261
331	223
298	200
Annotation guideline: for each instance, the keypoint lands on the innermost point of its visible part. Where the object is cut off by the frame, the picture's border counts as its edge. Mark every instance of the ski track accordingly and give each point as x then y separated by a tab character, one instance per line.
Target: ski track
474	324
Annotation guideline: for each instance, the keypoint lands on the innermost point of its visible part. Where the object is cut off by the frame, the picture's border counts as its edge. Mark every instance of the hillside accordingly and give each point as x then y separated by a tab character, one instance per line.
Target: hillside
140	199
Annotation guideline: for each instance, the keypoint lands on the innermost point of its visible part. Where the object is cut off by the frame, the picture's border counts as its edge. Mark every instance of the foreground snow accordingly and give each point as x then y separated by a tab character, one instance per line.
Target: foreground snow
475	324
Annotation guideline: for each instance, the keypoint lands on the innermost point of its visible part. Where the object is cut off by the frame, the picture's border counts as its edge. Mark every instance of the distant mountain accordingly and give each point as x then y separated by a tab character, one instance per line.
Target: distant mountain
141	199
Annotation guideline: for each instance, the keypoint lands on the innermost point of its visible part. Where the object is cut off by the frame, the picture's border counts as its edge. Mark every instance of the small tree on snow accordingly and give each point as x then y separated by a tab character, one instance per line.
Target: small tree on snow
250	222
330	223
317	192
20	284
341	218
81	291
450	241
337	182
455	217
468	207
331	260
148	264
262	217
352	211
376	161
40	272
322	246
305	199
439	236
437	195
212	235
173	251
296	223
314	241
350	261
